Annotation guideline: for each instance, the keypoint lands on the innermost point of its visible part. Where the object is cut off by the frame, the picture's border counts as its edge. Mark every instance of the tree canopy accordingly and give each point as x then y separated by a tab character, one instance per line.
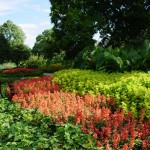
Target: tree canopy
4	49
42	41
73	27
12	46
12	32
45	45
119	22
20	52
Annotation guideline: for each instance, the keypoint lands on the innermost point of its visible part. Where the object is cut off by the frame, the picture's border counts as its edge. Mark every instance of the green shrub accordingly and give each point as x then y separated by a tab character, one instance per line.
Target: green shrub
58	58
34	61
7	65
84	60
52	67
114	59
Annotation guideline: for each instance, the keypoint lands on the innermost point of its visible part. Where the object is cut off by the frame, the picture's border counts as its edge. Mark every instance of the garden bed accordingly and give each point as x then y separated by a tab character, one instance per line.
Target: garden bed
102	123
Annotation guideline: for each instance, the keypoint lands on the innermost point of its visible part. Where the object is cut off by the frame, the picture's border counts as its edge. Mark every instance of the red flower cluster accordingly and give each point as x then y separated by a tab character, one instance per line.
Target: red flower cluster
111	129
34	85
19	70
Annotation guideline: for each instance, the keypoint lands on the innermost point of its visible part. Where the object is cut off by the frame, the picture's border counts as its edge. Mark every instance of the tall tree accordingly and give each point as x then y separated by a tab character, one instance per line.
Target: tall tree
12	32
119	22
10	36
20	52
45	45
73	28
4	49
127	22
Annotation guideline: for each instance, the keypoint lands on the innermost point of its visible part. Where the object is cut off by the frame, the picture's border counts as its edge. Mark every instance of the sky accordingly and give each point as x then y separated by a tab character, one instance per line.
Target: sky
31	15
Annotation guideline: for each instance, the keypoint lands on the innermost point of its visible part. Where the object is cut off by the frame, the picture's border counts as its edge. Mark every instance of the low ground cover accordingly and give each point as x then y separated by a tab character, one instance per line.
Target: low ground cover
98	116
29	129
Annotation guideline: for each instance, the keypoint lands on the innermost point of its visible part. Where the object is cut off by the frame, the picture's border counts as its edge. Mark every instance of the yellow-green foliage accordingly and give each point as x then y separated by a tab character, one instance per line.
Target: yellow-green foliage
131	90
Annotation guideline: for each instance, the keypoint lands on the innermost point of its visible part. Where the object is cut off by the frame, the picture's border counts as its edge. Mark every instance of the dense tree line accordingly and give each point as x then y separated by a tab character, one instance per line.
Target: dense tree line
120	23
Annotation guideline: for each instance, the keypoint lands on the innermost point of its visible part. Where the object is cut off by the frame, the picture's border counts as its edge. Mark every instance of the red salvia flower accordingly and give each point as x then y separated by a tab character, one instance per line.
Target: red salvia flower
116	140
125	147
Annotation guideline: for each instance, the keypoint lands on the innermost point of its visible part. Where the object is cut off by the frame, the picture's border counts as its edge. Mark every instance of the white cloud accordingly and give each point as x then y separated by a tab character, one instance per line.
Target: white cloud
45	23
37	8
33	30
6	9
10	6
34	6
46	10
29	26
30	31
30	40
4	13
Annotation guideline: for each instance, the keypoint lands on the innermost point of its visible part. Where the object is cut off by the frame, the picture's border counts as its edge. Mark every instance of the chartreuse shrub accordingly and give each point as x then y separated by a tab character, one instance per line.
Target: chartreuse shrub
131	90
29	129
